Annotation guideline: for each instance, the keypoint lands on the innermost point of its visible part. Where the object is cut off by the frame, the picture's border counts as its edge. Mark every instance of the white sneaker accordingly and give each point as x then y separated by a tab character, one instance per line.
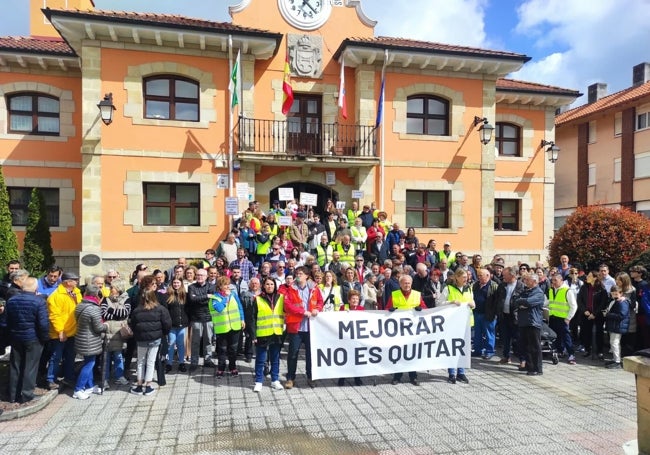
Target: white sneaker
258	387
121	381
277	385
106	385
81	395
95	389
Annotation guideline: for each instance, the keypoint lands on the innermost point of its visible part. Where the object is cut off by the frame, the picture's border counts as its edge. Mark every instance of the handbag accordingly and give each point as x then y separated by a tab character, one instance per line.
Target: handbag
125	331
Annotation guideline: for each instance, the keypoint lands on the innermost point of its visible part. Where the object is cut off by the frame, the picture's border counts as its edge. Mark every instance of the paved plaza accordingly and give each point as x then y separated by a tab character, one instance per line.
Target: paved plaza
579	409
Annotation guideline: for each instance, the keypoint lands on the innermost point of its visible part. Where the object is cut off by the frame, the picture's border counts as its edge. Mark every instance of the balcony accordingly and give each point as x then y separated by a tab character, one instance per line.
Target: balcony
297	140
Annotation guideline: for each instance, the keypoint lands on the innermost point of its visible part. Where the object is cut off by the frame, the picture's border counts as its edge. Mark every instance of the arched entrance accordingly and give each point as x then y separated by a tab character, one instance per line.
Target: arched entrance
323	192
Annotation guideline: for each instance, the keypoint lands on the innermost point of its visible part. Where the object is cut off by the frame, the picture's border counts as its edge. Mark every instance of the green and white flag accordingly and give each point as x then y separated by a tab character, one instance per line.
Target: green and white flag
235	80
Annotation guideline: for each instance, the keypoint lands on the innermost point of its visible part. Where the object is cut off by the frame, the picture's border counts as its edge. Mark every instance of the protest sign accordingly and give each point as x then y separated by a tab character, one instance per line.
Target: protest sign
366	343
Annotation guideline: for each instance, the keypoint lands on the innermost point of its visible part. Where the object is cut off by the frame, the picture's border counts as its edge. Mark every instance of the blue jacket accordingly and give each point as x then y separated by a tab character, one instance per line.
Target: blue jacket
46	288
617	319
530	304
27	318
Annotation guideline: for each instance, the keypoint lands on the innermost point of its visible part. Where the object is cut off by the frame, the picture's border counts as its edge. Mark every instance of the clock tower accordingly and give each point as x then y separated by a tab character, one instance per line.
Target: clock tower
305	14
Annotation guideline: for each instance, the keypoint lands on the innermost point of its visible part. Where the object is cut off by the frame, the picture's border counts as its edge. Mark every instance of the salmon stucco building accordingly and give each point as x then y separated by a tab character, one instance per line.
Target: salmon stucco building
152	185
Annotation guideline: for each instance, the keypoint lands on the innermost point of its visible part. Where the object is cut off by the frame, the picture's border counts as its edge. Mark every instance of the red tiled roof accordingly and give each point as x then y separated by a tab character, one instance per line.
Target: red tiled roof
387	41
36	45
608	102
532	87
171	20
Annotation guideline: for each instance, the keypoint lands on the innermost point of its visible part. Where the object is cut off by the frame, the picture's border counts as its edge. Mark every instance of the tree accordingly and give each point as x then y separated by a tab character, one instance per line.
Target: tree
593	235
37	252
8	240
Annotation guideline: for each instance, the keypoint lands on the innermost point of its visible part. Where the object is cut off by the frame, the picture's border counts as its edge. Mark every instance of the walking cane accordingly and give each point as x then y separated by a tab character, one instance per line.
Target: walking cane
102	363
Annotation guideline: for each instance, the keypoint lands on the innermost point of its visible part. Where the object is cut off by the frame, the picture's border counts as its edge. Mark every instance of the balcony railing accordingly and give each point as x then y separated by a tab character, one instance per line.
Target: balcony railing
295	137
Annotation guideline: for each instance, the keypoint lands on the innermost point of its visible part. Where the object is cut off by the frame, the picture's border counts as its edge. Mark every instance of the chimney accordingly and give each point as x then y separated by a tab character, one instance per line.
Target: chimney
596	91
640	74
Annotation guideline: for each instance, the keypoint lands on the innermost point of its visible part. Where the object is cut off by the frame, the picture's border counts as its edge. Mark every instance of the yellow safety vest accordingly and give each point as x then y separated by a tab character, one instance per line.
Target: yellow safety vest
263	248
356	232
346	257
229	319
456	295
450	259
399	302
269	321
323	255
558	305
336	292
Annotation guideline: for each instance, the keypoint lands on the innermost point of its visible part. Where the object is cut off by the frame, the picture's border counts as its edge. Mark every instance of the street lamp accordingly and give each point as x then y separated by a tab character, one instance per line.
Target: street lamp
106	108
553	150
485	130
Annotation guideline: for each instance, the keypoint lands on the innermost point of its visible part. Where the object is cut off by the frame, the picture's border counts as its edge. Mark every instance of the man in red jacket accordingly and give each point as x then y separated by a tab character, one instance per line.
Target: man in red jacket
302	301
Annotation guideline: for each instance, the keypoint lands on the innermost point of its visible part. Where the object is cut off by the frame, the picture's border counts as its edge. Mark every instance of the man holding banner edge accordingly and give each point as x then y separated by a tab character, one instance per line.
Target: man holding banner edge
405	298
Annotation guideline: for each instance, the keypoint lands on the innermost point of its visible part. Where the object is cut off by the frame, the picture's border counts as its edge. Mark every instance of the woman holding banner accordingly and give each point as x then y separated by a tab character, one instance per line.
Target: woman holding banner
458	292
354	304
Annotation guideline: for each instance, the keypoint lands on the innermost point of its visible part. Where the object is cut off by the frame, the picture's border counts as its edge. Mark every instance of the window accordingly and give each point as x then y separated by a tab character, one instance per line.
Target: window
427	209
171	204
171	98
591	177
33	113
642	121
506	214
508	139
19	198
427	115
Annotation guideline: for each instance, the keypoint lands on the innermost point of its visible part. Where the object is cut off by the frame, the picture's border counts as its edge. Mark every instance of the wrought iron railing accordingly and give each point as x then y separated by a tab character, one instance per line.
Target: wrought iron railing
294	137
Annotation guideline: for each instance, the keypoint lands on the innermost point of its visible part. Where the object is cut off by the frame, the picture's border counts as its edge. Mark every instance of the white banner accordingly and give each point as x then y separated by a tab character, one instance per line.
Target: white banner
365	343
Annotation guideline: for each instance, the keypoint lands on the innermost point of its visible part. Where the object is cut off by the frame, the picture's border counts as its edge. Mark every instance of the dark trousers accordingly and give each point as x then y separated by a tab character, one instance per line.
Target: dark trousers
227	349
23	369
295	341
531	340
130	350
398	376
563	341
510	337
586	332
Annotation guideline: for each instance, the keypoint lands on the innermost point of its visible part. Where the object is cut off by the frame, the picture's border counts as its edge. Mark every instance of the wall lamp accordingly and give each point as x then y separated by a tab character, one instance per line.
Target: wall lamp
485	130
106	108
553	150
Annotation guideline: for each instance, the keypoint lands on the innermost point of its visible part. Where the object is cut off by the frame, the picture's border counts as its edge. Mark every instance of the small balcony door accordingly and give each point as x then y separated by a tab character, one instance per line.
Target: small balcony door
304	125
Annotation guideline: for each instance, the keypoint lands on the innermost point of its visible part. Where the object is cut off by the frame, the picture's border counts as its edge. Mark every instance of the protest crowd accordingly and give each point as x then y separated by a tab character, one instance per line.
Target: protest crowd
255	294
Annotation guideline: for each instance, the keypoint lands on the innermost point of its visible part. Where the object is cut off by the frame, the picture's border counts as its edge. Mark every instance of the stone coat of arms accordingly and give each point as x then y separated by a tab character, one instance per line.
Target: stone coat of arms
305	55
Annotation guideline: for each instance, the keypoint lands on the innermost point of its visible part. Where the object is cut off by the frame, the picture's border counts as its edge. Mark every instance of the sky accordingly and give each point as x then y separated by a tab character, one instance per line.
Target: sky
573	43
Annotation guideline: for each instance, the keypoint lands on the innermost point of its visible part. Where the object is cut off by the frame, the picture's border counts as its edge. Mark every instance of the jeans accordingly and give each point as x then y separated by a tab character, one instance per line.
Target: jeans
201	330
23	368
60	350
295	341
484	338
273	350
118	360
85	379
563	340
147	352
452	371
227	349
176	338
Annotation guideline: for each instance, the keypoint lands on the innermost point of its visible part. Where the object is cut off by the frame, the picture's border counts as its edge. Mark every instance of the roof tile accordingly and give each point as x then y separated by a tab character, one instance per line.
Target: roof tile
36	45
441	47
614	100
515	85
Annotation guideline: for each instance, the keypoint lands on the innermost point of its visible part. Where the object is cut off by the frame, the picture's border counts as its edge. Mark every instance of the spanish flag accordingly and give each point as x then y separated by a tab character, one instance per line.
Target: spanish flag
287	97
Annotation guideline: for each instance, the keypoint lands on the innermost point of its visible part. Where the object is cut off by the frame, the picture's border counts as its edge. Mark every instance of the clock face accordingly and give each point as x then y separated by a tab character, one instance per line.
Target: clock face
305	14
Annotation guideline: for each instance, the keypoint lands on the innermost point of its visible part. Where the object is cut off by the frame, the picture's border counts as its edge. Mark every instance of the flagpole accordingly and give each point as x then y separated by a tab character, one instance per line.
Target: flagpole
231	140
382	133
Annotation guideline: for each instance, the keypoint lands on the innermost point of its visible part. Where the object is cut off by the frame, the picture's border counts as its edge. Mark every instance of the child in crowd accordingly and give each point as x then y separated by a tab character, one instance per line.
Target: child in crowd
617	322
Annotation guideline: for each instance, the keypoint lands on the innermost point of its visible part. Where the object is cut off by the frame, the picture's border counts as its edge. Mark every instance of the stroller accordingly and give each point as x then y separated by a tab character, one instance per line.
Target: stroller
548	340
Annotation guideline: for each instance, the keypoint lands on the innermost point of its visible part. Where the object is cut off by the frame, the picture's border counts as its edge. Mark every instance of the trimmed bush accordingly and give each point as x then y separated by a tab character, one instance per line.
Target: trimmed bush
37	252
593	235
8	240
